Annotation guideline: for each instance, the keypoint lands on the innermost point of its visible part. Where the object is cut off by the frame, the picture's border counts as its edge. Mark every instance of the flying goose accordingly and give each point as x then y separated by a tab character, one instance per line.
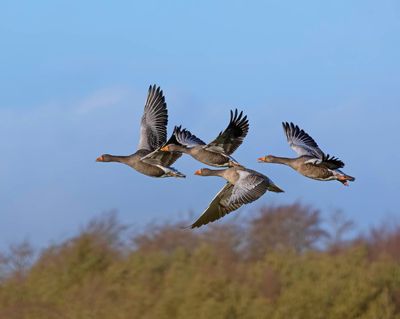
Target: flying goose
243	186
217	153
312	162
149	159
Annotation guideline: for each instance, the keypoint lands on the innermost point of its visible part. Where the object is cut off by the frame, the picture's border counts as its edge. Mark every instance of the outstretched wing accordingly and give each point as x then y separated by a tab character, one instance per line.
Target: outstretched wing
153	127
230	139
186	138
219	207
248	188
301	142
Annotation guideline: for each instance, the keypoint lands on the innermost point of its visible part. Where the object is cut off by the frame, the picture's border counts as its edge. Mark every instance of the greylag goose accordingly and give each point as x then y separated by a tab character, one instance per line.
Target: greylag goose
312	162
149	159
243	186
217	153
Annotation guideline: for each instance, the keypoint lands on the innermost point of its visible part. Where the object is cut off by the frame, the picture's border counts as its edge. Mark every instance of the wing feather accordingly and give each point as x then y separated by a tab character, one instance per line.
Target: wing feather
219	207
331	162
186	138
158	157
232	137
153	127
248	188
301	142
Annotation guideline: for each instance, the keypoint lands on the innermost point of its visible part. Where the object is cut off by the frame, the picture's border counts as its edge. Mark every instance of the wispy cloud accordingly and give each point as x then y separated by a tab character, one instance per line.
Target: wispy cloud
103	98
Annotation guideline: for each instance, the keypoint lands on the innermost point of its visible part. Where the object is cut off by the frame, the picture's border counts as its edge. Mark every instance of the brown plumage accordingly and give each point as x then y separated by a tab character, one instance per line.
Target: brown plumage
312	162
149	159
218	152
243	186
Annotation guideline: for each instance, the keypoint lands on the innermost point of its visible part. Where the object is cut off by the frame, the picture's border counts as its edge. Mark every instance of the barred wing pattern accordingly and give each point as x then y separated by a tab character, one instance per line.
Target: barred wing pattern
153	127
301	142
248	188
304	144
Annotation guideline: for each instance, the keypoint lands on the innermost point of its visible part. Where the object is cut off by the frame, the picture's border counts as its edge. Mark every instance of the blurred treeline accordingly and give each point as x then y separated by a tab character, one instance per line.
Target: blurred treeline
283	263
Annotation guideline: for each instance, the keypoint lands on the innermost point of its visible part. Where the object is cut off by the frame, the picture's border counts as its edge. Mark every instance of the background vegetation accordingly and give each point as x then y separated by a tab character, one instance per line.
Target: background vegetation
283	263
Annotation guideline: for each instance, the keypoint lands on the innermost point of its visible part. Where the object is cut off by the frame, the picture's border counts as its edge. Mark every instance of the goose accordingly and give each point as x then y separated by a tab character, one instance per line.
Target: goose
243	186
217	153
312	162
149	159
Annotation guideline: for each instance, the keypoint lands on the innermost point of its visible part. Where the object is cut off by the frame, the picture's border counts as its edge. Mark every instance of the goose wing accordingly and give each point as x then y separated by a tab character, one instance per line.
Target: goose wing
153	127
163	158
327	161
219	207
232	137
248	188
301	142
186	138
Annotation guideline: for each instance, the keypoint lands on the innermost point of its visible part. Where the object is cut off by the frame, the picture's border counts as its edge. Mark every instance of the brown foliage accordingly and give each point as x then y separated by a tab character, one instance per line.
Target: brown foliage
273	266
287	227
384	240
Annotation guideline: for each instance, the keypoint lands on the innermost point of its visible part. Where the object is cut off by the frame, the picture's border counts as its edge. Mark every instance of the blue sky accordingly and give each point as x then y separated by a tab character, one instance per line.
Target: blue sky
74	77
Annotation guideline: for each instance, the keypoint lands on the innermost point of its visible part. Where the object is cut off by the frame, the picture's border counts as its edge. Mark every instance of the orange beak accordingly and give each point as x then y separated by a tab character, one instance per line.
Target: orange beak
198	172
261	159
99	159
165	148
